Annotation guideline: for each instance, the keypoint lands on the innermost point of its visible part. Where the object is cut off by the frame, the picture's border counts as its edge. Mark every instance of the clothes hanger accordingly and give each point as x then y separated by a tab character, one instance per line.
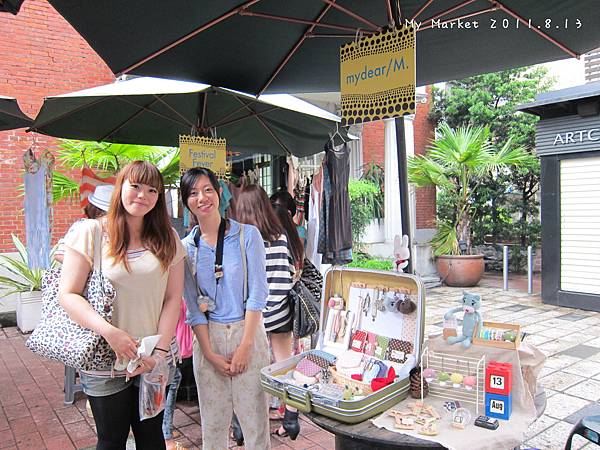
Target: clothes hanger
337	133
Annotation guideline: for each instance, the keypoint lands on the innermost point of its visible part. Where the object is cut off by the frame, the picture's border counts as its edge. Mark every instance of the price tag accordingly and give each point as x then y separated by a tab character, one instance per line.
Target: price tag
397	355
496	382
496	406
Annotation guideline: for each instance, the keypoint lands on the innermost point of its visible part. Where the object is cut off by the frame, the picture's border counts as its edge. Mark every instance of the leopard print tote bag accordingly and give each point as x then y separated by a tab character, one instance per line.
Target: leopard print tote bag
60	338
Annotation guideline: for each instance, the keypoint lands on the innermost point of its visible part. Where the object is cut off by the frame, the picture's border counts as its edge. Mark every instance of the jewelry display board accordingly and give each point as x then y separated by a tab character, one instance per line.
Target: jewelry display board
372	315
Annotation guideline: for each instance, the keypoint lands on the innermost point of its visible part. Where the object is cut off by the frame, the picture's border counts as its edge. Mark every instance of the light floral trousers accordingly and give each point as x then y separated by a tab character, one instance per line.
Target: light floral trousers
220	396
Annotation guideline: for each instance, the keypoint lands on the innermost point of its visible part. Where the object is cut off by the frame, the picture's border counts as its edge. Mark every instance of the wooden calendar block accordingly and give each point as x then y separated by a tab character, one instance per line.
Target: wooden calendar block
498	406
498	378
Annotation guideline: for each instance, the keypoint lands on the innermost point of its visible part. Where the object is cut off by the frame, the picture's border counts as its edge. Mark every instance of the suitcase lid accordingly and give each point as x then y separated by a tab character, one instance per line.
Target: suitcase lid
340	280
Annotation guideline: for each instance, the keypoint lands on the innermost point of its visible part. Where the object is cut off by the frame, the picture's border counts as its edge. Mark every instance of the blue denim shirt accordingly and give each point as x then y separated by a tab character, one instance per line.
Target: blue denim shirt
229	291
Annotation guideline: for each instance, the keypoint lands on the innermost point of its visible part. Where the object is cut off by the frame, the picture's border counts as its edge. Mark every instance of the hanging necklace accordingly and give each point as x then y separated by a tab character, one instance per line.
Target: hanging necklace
374	305
366	303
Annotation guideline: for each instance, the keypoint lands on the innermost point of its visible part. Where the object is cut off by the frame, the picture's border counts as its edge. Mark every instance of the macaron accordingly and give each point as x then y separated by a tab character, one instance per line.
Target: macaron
456	379
429	374
470	382
443	377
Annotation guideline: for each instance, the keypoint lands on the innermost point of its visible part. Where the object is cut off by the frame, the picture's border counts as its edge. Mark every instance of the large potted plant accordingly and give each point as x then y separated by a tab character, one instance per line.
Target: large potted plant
456	163
26	283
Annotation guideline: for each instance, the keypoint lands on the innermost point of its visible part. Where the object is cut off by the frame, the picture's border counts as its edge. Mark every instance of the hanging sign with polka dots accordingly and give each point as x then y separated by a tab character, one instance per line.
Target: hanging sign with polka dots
377	76
200	151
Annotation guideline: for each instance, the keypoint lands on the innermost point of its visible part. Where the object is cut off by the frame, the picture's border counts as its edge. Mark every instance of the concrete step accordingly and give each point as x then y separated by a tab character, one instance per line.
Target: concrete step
431	281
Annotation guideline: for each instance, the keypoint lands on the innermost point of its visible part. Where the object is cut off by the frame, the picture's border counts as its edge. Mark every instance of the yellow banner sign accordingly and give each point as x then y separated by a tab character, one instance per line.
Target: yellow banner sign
200	151
377	76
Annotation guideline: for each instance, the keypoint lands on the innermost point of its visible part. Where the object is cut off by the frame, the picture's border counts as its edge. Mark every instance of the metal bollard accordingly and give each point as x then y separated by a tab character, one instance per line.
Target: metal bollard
505	267
530	269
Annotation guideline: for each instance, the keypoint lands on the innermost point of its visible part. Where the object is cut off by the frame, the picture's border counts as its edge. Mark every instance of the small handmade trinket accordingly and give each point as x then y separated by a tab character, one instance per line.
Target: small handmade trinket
347	394
451	405
461	418
336	302
403	420
429	429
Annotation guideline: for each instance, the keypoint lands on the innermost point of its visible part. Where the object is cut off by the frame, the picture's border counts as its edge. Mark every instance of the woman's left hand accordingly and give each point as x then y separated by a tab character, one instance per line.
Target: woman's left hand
241	359
146	364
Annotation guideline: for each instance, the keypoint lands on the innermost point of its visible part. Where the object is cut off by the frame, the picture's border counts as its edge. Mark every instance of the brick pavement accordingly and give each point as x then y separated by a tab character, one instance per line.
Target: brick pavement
33	416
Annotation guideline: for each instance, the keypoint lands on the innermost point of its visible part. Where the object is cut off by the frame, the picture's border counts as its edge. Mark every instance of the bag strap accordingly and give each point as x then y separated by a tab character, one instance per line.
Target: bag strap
244	263
97	247
218	250
219	259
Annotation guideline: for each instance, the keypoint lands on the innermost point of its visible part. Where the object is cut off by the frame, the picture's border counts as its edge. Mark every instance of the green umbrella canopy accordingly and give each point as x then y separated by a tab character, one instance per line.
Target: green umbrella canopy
156	111
261	46
11	116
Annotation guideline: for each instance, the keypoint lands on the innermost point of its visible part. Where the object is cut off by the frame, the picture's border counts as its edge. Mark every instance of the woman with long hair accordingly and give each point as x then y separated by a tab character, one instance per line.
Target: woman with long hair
142	257
283	248
228	266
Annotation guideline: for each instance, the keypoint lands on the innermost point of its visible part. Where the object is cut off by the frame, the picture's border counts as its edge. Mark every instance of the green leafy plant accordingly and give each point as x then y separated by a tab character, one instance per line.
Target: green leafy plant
374	173
364	261
457	163
107	159
361	205
491	100
23	278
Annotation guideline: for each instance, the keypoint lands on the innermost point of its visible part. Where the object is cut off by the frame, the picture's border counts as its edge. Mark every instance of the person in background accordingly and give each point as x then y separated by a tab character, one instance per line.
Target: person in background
98	203
253	207
142	257
285	199
231	346
184	342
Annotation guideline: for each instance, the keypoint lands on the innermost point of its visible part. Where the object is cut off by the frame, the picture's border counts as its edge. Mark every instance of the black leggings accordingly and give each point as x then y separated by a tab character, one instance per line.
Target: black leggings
114	414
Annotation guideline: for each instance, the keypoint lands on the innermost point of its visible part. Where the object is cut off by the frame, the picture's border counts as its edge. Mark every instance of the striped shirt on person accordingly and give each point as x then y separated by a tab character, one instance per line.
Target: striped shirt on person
280	272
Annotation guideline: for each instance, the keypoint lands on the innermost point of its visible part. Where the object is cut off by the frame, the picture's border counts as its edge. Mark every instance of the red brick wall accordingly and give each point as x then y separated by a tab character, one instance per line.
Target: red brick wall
423	134
373	150
373	141
40	55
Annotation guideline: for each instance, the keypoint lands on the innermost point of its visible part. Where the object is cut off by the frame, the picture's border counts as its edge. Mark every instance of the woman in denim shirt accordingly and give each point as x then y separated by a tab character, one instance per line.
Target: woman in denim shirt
231	346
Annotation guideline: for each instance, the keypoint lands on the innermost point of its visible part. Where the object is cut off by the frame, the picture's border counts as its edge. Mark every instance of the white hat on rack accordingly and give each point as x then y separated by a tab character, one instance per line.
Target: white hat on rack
100	198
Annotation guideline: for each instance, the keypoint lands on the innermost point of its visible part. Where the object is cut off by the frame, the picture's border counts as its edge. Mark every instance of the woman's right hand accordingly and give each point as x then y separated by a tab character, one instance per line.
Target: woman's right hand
124	345
221	364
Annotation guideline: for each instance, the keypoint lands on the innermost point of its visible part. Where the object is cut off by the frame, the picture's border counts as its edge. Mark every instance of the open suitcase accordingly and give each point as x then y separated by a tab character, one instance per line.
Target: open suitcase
374	326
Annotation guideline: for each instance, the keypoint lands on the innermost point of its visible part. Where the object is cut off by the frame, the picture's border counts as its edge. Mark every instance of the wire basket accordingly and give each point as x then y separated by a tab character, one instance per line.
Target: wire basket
342	380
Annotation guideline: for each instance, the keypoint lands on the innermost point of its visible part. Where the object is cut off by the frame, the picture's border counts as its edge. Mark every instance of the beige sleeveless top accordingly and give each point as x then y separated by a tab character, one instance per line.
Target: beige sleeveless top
141	292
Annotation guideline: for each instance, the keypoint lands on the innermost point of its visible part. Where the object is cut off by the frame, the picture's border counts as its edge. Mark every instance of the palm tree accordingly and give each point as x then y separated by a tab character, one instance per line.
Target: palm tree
457	162
108	159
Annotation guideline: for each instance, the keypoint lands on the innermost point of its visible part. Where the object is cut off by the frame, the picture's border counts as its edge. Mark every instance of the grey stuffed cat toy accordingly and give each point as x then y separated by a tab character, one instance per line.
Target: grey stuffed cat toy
471	319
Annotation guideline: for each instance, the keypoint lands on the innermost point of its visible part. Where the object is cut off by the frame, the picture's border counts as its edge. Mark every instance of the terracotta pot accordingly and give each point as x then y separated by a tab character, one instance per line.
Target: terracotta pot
460	270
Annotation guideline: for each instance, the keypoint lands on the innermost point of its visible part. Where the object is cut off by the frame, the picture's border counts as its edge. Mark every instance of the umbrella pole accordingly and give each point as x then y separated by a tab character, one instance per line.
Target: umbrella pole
403	185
